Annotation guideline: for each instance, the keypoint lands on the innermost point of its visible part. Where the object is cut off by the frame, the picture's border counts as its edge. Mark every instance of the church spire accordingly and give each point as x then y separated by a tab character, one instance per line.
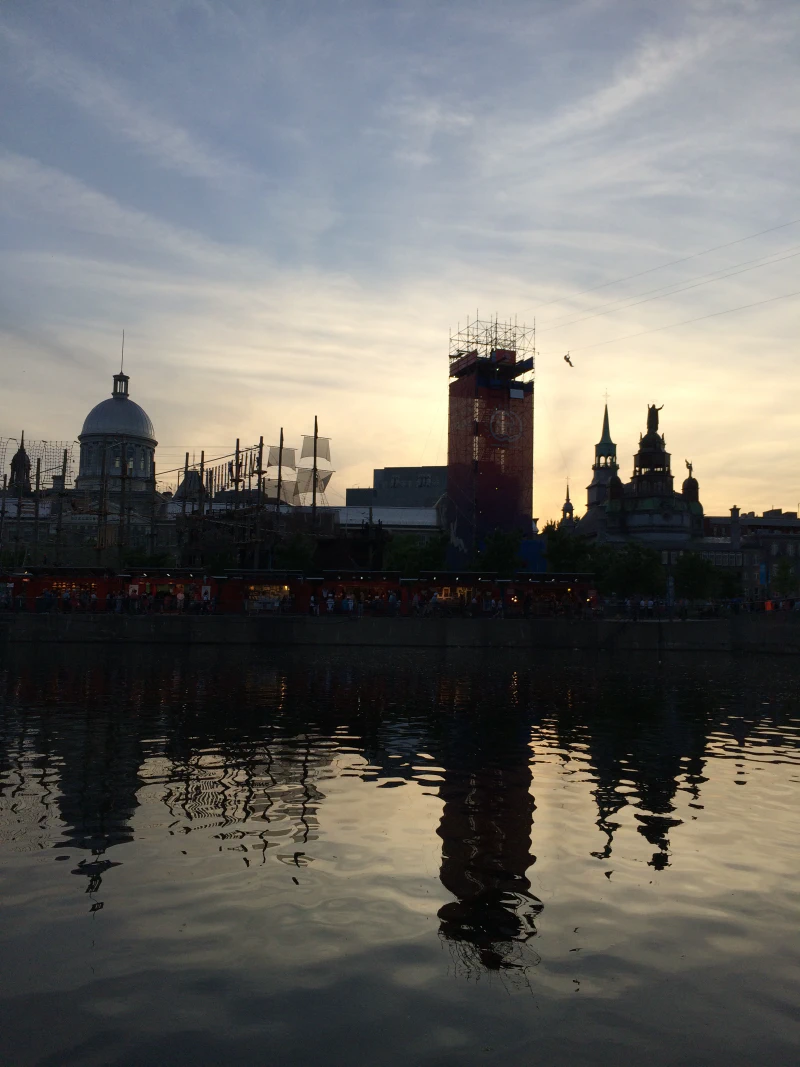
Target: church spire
604	467
567	511
605	438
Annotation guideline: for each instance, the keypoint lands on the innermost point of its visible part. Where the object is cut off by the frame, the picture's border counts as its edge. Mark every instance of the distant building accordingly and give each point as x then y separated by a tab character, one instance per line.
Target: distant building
401	487
762	552
647	508
765	549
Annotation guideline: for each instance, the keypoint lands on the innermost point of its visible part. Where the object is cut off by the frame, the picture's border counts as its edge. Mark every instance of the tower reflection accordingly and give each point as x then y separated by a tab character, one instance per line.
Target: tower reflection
485	828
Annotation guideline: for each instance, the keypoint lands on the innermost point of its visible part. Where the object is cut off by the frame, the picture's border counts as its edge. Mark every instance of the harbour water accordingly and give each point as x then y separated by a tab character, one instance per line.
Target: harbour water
322	856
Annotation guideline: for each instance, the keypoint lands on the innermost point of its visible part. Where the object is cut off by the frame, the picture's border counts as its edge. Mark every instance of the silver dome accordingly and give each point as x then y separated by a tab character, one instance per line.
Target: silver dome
119	417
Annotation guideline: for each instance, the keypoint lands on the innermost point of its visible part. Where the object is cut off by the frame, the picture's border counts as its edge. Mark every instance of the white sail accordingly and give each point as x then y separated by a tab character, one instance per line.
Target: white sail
289	459
323	448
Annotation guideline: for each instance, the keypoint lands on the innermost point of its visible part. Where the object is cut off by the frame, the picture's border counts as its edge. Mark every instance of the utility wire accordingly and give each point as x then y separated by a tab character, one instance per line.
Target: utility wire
670	263
685	322
682	289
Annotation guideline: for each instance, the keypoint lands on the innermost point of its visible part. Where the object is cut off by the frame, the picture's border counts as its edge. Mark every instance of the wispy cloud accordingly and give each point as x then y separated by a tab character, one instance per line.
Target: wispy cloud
36	192
109	103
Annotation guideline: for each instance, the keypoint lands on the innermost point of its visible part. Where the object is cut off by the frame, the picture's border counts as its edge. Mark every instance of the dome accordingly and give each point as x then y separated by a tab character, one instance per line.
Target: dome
691	488
651	442
119	416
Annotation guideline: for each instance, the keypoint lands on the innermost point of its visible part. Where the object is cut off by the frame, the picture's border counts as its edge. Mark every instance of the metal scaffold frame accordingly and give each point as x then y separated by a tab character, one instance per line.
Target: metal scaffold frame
487	335
49	453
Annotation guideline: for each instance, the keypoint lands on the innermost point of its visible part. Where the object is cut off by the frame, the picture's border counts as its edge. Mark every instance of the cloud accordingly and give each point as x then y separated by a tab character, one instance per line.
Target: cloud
106	101
36	192
655	66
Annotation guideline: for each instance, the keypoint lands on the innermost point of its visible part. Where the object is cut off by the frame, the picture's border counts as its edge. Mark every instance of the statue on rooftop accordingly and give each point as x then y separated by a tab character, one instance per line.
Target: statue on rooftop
652	418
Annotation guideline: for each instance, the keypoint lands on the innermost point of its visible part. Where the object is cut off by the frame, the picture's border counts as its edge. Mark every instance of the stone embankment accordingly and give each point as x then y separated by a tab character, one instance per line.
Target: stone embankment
777	632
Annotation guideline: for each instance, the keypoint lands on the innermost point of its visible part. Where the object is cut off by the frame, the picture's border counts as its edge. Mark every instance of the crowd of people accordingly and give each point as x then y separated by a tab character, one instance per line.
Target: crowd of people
636	608
76	600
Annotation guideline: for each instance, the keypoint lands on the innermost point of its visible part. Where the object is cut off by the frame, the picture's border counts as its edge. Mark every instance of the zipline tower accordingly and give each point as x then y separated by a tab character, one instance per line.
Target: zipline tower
490	433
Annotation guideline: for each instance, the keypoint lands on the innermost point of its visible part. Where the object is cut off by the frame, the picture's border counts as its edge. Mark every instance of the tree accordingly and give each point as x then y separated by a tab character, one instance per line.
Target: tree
566	551
694	576
634	568
410	554
139	557
784	580
500	552
296	552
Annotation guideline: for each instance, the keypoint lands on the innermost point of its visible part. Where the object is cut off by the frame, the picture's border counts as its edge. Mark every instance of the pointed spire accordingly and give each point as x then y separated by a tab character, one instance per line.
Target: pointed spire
567	510
22	441
605	438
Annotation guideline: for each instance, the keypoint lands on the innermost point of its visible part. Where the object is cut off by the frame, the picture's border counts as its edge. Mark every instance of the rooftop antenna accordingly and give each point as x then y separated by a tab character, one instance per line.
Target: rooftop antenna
122	357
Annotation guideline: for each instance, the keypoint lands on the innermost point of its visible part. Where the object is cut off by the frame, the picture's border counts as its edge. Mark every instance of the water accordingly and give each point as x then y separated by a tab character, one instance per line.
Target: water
397	858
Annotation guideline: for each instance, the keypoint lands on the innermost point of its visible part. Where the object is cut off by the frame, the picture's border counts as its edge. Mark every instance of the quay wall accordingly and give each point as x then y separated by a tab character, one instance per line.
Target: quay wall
777	632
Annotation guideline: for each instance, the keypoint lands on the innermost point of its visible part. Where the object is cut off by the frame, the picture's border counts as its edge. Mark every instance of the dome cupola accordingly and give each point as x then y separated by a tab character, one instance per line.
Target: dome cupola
119	415
118	444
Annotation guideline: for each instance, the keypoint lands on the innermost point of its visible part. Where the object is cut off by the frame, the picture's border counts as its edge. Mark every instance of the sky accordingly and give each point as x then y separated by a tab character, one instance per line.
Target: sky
289	206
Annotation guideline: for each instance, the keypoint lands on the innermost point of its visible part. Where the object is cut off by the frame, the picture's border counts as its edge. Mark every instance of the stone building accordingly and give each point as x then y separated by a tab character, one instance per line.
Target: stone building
647	508
764	549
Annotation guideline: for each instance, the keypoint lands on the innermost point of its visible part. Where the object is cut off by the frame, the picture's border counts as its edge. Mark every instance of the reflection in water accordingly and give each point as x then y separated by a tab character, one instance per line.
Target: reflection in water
644	745
242	751
486	837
